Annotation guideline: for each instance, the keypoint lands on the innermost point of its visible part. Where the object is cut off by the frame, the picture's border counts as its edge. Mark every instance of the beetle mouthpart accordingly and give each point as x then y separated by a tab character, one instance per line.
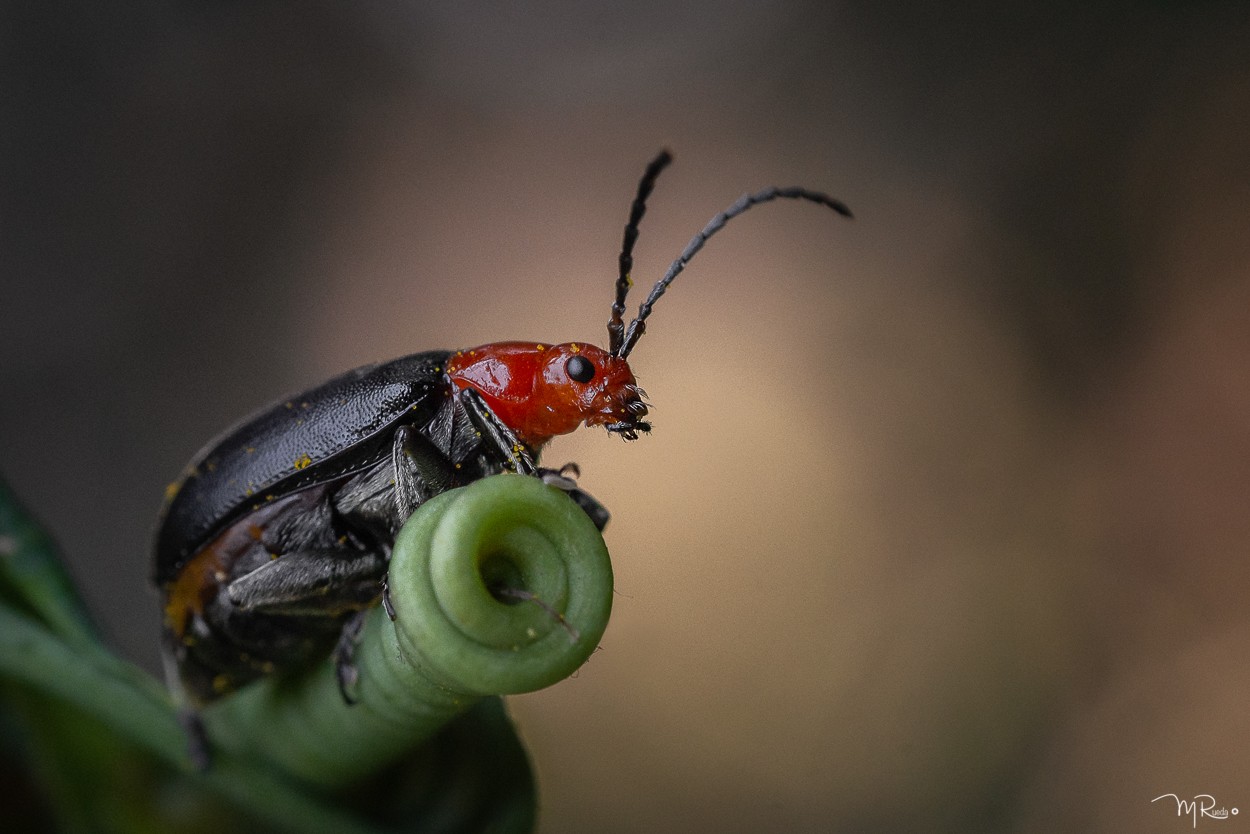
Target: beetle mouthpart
629	431
621	410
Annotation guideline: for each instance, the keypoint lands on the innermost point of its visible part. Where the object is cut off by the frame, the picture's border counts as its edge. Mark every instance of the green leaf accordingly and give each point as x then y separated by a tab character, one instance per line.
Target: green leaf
32	576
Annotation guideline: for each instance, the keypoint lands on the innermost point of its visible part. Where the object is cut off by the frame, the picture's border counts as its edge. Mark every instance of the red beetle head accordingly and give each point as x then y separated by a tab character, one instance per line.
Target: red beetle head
542	390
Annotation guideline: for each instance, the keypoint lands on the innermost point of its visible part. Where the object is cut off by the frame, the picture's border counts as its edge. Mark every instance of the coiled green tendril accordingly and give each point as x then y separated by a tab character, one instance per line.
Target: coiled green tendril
500	587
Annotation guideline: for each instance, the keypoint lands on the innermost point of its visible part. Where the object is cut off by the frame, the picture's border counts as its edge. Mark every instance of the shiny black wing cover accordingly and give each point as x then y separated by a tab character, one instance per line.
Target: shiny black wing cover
343	426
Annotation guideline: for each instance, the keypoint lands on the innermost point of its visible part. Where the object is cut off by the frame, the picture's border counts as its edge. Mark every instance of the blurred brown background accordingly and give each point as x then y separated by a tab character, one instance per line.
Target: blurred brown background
944	524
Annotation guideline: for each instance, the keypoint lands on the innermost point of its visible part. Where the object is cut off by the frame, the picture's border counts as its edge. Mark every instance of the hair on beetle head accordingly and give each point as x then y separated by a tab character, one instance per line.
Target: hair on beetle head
621	340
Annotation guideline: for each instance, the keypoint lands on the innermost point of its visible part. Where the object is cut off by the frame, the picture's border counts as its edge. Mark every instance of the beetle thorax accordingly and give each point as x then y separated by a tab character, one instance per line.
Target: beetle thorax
542	390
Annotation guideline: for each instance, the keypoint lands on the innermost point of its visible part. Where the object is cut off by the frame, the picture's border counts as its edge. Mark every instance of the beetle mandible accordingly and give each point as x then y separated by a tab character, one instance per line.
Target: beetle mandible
275	541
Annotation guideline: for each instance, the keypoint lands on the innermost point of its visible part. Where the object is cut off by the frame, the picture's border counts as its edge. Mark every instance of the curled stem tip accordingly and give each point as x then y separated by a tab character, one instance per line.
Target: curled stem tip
455	638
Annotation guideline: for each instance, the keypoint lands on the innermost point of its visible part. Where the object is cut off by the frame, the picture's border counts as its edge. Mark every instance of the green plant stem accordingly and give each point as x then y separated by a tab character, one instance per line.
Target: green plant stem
132	704
123	698
453	641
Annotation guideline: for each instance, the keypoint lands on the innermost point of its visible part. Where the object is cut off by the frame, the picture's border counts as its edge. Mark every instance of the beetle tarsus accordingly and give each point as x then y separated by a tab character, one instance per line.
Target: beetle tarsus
197	739
344	656
386	597
559	479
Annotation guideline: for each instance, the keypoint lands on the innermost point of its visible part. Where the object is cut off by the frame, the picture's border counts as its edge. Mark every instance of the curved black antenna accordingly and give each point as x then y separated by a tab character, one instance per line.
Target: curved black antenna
616	324
638	326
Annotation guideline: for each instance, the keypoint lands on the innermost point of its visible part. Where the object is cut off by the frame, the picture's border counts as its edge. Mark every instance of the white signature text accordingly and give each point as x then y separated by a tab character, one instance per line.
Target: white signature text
1202	805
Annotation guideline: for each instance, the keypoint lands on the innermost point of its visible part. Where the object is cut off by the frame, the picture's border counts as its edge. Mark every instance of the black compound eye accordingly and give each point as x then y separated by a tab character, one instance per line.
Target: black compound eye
580	369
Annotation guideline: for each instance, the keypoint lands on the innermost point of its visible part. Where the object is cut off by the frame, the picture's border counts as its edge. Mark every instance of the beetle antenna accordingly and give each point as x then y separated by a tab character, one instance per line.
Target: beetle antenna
616	325
638	326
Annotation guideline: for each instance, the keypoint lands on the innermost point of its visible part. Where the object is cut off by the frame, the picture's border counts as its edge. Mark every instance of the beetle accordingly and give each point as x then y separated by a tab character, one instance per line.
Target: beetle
275	540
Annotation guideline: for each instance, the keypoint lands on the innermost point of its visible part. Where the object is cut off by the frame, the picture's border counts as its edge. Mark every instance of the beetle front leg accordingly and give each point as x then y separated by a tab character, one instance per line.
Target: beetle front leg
590	505
495	433
508	447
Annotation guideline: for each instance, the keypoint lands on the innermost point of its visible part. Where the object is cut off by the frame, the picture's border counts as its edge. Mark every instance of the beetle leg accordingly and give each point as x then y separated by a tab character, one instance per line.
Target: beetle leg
495	433
344	656
387	605
188	716
559	480
590	505
420	471
325	582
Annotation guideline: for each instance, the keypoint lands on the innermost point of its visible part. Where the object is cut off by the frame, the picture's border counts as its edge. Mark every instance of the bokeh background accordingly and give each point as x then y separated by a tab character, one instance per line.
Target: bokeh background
945	522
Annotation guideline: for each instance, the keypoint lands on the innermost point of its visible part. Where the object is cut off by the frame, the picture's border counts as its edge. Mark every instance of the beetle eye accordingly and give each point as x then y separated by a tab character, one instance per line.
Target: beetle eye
580	369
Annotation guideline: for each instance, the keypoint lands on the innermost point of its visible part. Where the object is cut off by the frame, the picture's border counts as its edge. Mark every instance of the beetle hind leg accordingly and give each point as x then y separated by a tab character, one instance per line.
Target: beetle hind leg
317	582
189	719
344	655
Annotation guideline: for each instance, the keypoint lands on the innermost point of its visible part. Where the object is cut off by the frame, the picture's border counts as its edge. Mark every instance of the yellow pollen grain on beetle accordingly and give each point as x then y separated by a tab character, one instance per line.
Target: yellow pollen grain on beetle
575	348
171	490
303	462
539	348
